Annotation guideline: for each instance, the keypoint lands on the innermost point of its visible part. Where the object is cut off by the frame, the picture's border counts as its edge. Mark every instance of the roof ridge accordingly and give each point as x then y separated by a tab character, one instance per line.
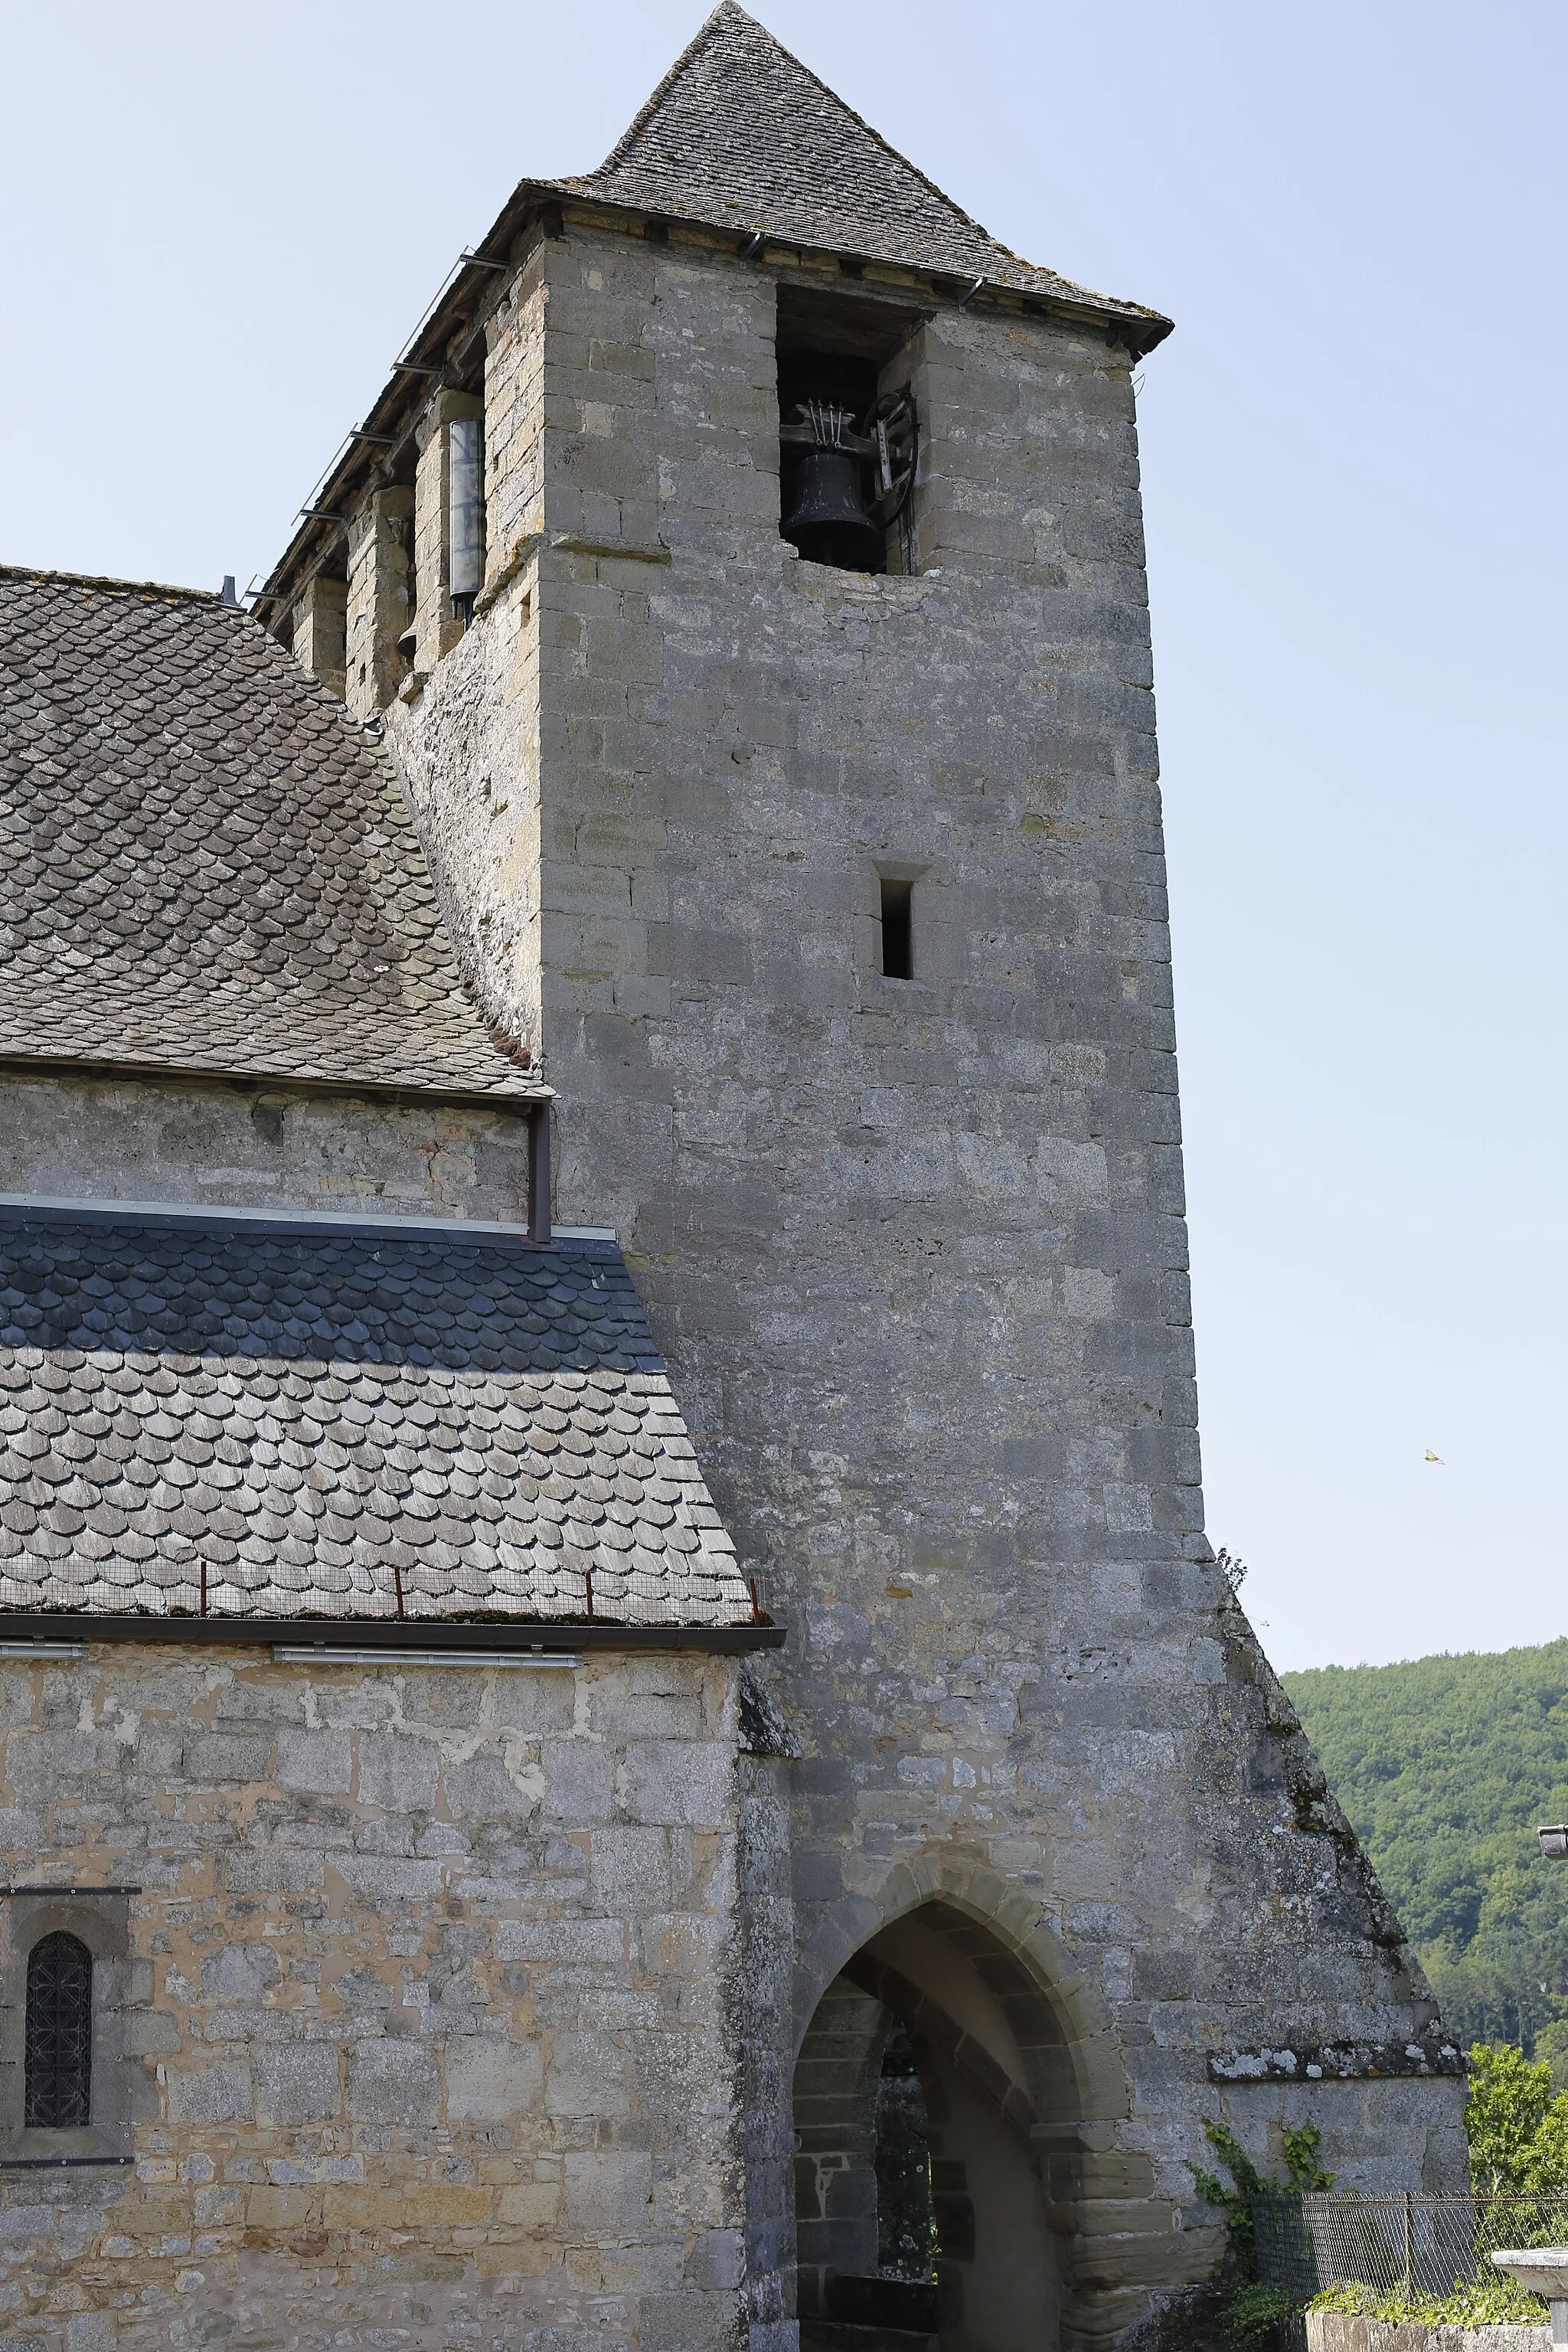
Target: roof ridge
46	574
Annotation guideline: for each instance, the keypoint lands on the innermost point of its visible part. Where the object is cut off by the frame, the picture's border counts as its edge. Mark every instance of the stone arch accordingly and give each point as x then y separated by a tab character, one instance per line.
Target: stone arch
1092	2054
1049	2231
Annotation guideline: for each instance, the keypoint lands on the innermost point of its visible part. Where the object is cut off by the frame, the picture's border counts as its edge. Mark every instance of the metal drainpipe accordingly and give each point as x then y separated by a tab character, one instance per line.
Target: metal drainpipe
538	1227
465	513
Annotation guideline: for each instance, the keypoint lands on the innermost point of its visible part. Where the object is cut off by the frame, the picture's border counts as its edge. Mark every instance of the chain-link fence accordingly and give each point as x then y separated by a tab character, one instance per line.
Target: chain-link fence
1423	2245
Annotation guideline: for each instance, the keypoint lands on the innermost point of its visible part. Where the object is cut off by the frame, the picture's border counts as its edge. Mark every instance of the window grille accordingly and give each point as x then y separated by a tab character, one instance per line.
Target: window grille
58	2032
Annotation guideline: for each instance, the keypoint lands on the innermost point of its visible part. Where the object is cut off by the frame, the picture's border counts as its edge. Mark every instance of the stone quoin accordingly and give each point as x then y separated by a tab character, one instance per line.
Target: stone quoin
618	1725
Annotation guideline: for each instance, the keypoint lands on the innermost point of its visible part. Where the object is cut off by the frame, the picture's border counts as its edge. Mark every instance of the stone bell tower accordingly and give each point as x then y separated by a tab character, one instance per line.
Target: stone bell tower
789	762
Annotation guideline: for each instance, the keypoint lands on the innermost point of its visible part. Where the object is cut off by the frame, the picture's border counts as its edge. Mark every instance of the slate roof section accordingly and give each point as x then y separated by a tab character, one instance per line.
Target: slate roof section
341	1425
205	863
739	135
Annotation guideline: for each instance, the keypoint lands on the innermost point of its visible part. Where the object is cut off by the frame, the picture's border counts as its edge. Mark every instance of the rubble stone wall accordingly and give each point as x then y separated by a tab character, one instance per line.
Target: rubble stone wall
252	1145
429	1980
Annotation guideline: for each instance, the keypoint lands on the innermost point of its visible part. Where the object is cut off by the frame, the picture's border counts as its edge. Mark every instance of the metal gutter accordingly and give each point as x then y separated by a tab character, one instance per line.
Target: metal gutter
209	1216
505	1637
523	1093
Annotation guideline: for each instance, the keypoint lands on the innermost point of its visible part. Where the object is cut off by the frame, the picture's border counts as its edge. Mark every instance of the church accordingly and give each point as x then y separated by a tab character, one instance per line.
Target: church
618	1730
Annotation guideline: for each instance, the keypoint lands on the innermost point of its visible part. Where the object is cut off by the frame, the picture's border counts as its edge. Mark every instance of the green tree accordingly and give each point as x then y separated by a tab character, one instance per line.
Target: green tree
1551	2043
1516	2124
1445	1766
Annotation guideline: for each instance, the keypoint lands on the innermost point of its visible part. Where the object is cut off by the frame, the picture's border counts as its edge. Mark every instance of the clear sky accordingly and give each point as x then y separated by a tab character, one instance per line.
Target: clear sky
218	225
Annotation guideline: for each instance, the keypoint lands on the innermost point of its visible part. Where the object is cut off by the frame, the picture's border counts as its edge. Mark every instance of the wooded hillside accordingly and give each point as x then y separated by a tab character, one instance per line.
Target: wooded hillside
1446	1766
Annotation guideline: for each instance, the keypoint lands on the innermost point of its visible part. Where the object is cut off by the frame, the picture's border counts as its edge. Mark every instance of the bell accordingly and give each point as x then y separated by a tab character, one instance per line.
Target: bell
827	522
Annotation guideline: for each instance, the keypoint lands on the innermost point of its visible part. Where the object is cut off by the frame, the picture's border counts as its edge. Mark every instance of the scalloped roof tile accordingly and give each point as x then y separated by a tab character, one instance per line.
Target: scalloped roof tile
240	1421
205	863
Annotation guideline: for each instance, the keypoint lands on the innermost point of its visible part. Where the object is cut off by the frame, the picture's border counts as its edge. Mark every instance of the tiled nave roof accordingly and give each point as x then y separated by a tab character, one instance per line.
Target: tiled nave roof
205	863
260	1419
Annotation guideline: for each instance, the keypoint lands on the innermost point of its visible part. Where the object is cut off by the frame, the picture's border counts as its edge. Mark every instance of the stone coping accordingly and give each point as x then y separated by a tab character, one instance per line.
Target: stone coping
1345	2331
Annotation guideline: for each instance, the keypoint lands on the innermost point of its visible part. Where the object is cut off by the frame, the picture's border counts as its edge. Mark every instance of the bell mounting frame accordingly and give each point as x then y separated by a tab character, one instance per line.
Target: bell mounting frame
835	506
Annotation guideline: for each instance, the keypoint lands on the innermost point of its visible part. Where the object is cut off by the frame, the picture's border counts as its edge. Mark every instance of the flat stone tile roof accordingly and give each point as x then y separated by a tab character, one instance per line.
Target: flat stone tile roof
247	1421
205	863
740	134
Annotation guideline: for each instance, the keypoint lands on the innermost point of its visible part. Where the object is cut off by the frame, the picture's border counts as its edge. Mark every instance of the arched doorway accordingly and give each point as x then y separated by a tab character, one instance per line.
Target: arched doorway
948	2108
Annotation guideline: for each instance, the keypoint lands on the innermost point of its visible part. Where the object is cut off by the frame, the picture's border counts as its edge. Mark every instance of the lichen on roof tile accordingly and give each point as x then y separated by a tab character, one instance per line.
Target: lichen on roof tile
204	862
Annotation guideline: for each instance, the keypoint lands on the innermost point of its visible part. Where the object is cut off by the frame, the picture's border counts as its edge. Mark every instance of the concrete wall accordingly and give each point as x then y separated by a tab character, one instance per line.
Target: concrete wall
430	1975
246	1145
916	1250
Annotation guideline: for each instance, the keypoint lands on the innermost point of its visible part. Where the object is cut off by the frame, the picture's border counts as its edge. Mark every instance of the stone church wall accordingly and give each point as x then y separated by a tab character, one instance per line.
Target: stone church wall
250	1145
915	1249
427	1978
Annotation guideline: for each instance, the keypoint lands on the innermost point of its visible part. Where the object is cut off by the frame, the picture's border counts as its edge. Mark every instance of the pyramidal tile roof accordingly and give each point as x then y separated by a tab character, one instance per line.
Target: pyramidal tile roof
739	134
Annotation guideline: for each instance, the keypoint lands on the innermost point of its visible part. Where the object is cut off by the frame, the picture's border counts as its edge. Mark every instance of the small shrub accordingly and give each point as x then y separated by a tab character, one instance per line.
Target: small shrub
1254	2315
1304	2176
1485	2300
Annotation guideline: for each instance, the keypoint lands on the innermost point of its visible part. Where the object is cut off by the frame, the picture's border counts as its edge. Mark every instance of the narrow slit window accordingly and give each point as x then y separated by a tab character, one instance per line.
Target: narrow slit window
897	932
58	2033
